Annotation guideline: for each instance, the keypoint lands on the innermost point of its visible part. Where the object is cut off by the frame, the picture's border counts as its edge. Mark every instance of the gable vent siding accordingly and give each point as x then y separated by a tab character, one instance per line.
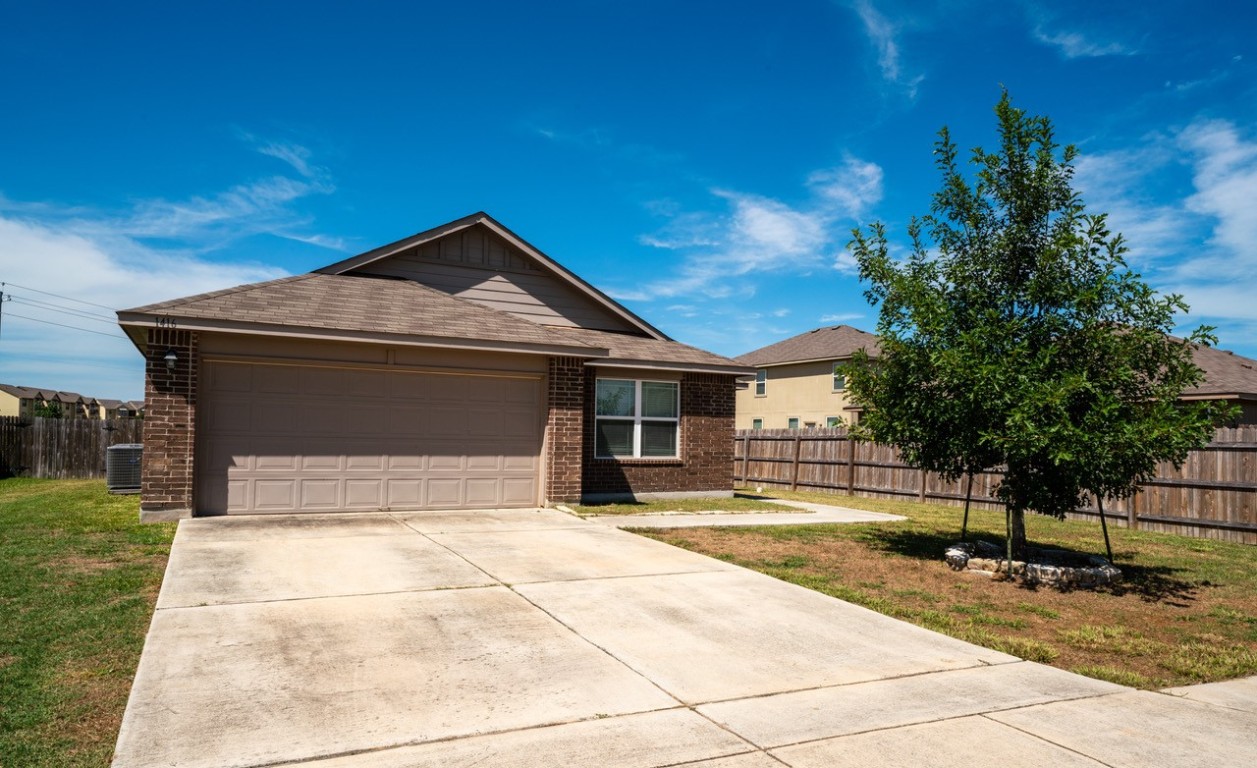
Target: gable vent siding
478	266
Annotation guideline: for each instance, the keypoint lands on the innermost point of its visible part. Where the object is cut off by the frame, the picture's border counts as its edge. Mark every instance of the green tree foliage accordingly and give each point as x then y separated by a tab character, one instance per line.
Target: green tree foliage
48	410
1014	334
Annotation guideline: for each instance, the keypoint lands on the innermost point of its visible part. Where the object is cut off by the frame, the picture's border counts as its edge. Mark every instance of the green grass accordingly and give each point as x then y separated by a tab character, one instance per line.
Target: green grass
78	581
662	506
1186	611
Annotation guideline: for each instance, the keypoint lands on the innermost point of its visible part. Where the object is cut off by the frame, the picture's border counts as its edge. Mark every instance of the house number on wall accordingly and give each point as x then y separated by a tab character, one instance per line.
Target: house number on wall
164	322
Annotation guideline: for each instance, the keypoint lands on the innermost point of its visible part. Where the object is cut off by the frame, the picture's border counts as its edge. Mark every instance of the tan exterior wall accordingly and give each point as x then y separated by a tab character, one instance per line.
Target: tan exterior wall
10	405
804	391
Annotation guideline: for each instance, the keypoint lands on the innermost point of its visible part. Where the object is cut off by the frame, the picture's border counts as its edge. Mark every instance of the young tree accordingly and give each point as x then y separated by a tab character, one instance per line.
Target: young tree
1014	334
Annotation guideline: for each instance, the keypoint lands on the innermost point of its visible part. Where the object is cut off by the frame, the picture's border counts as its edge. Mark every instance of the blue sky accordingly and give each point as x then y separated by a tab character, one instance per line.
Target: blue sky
704	162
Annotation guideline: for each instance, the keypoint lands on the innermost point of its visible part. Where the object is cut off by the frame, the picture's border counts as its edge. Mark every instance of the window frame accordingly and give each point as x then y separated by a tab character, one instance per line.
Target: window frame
638	419
757	424
761	382
833	422
839	382
792	422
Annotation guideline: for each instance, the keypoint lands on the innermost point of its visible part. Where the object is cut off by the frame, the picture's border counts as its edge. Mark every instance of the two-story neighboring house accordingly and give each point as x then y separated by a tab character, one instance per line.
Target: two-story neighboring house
20	401
798	382
1228	377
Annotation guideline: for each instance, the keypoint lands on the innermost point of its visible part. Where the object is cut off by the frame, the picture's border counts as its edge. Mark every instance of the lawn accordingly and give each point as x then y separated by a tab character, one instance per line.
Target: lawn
691	505
1185	613
79	579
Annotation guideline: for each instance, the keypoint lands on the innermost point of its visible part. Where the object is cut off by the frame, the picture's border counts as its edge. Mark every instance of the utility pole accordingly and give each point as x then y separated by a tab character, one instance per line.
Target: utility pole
3	299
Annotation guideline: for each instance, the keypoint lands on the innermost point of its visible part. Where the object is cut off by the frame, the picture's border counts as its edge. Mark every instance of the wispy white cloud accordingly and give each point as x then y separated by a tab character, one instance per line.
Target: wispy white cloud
1076	45
840	318
754	234
155	250
1203	244
883	34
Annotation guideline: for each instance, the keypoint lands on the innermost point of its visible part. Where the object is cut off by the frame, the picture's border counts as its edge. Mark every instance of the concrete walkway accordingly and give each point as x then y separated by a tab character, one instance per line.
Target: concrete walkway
811	514
531	638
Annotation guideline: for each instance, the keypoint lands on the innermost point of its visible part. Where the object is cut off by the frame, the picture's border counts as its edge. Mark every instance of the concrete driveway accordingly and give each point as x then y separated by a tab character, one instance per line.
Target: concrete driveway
532	638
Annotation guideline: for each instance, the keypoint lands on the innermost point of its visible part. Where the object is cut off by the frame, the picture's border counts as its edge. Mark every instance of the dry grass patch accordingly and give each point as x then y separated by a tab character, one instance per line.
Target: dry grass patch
706	505
1185	613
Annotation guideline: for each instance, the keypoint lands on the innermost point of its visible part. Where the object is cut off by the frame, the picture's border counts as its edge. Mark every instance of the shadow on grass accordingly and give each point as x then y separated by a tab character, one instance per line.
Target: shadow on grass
1154	584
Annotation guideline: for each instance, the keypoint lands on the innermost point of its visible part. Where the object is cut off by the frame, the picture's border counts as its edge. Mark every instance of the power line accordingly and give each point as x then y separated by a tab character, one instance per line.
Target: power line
65	310
62	325
59	296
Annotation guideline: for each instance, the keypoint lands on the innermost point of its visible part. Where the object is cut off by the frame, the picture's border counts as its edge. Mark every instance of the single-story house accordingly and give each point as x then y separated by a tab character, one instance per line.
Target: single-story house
460	367
799	382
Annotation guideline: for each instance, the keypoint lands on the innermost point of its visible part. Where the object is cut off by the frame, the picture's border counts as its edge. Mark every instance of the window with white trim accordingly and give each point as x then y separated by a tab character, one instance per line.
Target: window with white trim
634	418
840	379
761	381
833	421
757	423
792	422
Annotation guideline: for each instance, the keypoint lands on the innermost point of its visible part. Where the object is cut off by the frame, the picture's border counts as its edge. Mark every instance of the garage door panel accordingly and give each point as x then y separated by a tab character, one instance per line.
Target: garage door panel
444	492
230	378
364	494
483	463
482	491
321	463
398	463
282	438
271	495
276	379
520	464
517	422
321	494
405	493
518	491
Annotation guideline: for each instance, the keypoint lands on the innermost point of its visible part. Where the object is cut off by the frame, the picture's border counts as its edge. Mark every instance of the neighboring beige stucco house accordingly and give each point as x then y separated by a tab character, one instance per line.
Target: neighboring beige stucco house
19	401
798	384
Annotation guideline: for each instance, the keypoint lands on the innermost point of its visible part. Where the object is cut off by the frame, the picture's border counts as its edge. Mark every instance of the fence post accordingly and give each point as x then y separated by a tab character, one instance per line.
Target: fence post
794	473
746	459
850	465
921	495
1132	510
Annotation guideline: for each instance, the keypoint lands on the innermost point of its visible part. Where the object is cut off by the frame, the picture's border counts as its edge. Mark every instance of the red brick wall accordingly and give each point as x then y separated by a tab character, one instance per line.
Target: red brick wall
565	393
166	479
706	444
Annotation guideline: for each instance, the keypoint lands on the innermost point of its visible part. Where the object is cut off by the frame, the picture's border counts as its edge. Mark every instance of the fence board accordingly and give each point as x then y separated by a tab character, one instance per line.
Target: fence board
1212	495
61	448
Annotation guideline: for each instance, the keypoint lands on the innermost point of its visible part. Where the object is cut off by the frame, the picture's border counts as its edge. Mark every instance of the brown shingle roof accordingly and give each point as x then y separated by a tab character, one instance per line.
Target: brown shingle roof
1226	373
836	342
403	307
639	349
355	303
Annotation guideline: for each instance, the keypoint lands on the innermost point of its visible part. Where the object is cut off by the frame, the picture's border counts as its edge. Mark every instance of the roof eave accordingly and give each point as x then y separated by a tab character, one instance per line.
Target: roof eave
835	358
652	365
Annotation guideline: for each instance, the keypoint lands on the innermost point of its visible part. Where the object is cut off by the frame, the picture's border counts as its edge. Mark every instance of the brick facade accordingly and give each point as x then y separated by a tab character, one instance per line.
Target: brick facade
706	447
166	482
565	394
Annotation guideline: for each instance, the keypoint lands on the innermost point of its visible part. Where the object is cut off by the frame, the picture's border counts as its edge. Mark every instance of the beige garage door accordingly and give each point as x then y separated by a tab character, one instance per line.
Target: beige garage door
284	438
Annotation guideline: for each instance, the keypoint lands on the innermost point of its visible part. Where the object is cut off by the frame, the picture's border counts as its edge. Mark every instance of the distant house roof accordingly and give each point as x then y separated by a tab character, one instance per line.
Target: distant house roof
1226	374
24	393
836	342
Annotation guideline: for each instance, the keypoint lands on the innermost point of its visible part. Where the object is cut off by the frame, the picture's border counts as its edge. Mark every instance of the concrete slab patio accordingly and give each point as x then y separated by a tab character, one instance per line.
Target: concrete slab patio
533	638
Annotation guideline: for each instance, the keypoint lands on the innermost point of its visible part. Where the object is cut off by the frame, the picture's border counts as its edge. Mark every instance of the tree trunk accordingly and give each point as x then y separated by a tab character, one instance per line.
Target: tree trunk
1017	533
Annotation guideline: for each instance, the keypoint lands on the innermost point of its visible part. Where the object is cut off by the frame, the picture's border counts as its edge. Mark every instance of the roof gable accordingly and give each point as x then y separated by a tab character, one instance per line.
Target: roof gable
477	259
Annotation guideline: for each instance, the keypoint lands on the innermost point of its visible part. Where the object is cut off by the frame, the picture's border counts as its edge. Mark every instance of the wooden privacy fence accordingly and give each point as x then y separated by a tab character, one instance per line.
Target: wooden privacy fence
61	448
1213	495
